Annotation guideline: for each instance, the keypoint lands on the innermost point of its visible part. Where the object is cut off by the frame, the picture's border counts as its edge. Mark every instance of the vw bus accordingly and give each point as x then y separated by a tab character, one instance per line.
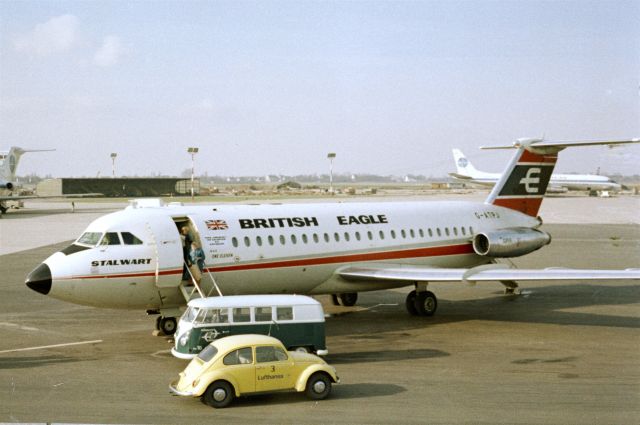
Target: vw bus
296	320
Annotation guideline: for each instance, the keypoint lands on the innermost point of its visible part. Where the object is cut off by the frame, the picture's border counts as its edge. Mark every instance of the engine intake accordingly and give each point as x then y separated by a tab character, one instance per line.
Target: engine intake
6	185
509	242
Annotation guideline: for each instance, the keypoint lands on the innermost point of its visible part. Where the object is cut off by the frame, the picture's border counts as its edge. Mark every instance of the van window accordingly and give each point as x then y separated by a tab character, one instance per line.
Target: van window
241	314
284	313
241	356
130	239
270	353
263	314
216	315
191	313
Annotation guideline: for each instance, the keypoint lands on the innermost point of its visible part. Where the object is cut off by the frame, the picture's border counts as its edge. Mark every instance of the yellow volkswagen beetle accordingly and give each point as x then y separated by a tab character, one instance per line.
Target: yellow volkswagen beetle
248	364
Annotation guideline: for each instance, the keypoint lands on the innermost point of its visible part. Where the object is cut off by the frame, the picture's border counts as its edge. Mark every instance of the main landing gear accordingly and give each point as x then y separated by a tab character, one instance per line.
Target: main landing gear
347	299
421	302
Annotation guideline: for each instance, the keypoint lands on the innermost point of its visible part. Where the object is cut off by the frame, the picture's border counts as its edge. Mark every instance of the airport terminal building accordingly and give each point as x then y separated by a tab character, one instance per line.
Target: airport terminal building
118	187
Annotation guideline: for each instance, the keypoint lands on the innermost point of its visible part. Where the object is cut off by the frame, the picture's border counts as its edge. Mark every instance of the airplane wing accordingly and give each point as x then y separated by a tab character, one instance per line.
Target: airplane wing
484	273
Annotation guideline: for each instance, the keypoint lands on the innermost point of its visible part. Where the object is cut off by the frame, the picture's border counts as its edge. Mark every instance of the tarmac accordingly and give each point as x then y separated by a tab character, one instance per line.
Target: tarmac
557	353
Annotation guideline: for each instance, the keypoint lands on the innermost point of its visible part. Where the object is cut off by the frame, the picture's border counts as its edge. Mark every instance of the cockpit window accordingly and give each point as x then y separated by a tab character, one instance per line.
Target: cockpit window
110	238
130	239
90	238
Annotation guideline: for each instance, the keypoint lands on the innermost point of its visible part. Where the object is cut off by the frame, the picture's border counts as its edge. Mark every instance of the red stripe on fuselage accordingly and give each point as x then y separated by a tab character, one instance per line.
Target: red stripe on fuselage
436	251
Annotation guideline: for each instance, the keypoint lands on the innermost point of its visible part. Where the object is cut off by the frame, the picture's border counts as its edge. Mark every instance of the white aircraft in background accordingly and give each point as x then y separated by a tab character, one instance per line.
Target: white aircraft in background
559	182
8	165
134	258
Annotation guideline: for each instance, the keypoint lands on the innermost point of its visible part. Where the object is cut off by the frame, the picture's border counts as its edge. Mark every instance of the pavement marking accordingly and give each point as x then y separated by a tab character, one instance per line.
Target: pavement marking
97	341
13	325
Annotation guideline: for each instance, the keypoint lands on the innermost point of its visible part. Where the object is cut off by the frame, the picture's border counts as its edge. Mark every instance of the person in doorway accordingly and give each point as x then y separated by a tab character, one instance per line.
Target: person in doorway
186	247
197	261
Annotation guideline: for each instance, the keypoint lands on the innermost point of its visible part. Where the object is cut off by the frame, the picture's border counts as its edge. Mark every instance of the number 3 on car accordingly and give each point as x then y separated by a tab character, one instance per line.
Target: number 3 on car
251	364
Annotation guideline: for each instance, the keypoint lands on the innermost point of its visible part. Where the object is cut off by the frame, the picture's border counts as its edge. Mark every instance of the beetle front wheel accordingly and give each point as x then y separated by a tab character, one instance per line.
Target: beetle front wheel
219	394
318	386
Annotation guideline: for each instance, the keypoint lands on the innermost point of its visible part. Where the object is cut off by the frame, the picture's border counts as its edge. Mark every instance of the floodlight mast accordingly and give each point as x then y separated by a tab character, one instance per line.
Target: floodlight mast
193	151
331	155
113	164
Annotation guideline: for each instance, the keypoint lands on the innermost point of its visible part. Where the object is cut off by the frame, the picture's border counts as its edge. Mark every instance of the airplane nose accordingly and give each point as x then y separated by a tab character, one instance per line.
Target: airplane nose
40	279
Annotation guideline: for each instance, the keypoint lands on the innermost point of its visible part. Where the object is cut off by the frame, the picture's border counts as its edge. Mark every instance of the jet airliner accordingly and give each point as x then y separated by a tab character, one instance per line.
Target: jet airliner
134	258
559	182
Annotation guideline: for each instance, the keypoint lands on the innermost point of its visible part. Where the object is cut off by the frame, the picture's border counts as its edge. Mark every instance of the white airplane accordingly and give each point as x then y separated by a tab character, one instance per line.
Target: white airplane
8	165
134	258
559	182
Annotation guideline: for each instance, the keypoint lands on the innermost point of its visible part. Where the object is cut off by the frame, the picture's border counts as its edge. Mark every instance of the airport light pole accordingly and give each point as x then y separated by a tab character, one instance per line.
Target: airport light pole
331	155
113	164
193	151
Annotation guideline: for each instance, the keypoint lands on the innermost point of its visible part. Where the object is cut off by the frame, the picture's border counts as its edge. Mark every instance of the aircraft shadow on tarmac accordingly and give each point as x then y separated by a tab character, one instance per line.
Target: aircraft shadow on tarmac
537	304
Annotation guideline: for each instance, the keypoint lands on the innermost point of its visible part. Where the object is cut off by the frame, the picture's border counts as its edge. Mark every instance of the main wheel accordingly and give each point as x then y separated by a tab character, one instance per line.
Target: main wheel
334	299
318	386
219	394
426	303
168	325
410	303
349	299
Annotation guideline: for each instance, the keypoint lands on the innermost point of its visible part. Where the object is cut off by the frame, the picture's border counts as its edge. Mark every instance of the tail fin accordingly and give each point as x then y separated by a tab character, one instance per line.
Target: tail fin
524	183
463	165
9	164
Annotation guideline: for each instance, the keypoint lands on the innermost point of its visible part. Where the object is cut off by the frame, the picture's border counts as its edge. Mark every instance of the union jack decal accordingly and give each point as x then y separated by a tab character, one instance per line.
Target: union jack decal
216	225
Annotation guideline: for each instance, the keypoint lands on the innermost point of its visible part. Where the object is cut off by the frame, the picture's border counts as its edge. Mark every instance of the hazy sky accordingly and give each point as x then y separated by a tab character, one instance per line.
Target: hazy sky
271	87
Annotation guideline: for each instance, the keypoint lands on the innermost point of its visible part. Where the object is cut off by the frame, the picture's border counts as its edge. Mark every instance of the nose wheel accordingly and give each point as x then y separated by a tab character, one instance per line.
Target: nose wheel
166	325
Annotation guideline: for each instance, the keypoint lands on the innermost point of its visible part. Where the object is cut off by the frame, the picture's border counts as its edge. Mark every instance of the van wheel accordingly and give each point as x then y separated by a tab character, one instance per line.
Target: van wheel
168	325
219	394
318	386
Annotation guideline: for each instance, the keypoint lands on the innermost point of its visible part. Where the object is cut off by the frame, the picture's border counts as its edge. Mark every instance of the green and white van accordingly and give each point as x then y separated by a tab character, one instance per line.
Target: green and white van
296	320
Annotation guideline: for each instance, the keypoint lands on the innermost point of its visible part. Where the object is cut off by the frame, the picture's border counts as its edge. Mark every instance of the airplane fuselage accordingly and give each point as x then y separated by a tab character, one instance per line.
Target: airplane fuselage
265	249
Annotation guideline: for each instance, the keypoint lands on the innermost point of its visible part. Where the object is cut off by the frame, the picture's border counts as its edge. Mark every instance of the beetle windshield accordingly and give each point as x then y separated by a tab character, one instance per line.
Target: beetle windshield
208	353
89	238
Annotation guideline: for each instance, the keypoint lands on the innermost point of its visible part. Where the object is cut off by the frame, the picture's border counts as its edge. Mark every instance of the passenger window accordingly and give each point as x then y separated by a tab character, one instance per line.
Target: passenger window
455	231
358	235
304	238
336	236
446	231
403	233
259	240
430	232
236	357
412	233
346	236
130	239
438	232
470	230
282	240
370	236
270	353
381	234
393	234
241	315
110	238
315	237
284	313
263	314
270	239
247	241
293	239
421	233
234	241
326	237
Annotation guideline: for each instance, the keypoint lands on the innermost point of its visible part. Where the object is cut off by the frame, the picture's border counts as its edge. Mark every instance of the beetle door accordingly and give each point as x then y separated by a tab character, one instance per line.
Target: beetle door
239	365
273	369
